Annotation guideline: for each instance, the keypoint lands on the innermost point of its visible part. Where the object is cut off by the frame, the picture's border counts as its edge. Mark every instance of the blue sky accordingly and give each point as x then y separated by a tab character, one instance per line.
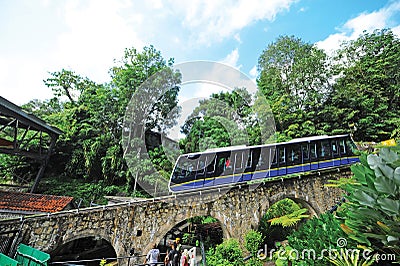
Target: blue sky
41	36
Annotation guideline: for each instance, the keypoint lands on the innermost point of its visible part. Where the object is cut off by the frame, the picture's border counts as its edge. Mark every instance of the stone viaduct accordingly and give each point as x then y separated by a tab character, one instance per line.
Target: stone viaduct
140	224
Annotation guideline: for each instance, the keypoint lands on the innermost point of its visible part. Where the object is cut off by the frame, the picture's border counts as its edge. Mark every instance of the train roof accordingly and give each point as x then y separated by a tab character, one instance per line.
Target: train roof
306	139
242	147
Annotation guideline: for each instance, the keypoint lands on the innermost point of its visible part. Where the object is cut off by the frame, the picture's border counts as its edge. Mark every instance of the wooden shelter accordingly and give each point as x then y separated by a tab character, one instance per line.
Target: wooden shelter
18	130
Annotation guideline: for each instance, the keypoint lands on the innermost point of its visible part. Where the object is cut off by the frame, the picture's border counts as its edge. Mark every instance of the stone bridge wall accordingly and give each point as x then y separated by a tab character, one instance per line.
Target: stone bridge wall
140	224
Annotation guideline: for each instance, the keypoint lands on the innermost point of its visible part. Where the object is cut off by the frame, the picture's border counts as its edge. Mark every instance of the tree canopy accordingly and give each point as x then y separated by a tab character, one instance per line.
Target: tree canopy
308	92
354	91
366	93
294	77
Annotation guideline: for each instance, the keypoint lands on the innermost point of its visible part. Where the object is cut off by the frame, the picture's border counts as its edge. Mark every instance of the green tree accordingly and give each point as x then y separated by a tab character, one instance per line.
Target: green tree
226	254
91	115
225	119
153	107
294	77
253	241
276	231
367	89
89	118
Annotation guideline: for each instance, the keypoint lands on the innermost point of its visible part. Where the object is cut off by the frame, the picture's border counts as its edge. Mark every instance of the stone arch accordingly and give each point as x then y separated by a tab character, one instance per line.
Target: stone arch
306	204
304	199
301	198
99	244
82	234
164	230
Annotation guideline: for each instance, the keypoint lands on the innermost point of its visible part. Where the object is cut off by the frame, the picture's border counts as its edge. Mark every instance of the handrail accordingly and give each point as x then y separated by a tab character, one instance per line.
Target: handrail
107	259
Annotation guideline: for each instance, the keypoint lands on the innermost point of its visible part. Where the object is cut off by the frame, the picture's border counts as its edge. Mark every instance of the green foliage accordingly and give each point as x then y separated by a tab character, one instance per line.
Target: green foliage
82	191
161	161
230	252
294	78
286	255
372	213
345	258
212	132
254	262
318	234
202	220
290	219
367	89
91	117
91	120
252	241
282	208
225	119
226	254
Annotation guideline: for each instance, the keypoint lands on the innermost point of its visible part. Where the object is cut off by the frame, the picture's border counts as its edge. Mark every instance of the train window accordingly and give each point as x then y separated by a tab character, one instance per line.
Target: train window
228	163
221	164
305	151
201	166
273	155
211	165
342	146
255	157
178	174
335	149
239	160
189	169
325	149
184	171
313	150
250	159
282	155
294	154
263	160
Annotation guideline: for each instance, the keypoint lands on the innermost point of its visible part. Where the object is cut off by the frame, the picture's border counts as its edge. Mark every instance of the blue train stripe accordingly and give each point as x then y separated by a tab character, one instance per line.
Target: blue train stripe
260	174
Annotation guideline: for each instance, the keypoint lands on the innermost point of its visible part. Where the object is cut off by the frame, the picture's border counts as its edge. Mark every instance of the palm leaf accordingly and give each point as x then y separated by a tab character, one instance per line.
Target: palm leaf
290	219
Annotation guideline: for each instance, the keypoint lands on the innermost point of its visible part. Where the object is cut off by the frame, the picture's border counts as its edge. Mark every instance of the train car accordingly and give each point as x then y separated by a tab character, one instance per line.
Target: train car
240	164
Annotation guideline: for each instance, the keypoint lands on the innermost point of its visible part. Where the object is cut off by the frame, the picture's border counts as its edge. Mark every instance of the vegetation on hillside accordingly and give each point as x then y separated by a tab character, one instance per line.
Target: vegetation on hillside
357	90
310	93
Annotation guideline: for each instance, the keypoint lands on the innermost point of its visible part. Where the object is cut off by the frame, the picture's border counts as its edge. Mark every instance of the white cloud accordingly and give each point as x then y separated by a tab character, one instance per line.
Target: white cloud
396	30
253	72
211	21
232	59
354	27
20	83
237	38
96	35
86	36
303	9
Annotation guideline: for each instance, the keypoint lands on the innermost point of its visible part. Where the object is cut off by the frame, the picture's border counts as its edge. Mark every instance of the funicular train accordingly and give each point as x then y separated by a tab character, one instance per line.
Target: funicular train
241	164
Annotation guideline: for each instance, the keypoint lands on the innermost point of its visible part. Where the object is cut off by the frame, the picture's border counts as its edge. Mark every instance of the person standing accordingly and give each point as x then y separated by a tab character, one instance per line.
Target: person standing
173	256
185	258
192	261
178	245
153	256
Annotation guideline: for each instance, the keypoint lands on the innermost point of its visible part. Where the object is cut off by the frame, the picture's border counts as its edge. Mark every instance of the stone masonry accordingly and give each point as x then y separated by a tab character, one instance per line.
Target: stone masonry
139	225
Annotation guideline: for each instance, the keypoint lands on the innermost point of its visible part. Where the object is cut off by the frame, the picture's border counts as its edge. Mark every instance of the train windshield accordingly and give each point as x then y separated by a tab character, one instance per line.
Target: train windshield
190	166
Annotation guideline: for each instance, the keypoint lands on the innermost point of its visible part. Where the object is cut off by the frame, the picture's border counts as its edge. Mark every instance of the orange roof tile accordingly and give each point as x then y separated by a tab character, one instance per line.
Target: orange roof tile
32	202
